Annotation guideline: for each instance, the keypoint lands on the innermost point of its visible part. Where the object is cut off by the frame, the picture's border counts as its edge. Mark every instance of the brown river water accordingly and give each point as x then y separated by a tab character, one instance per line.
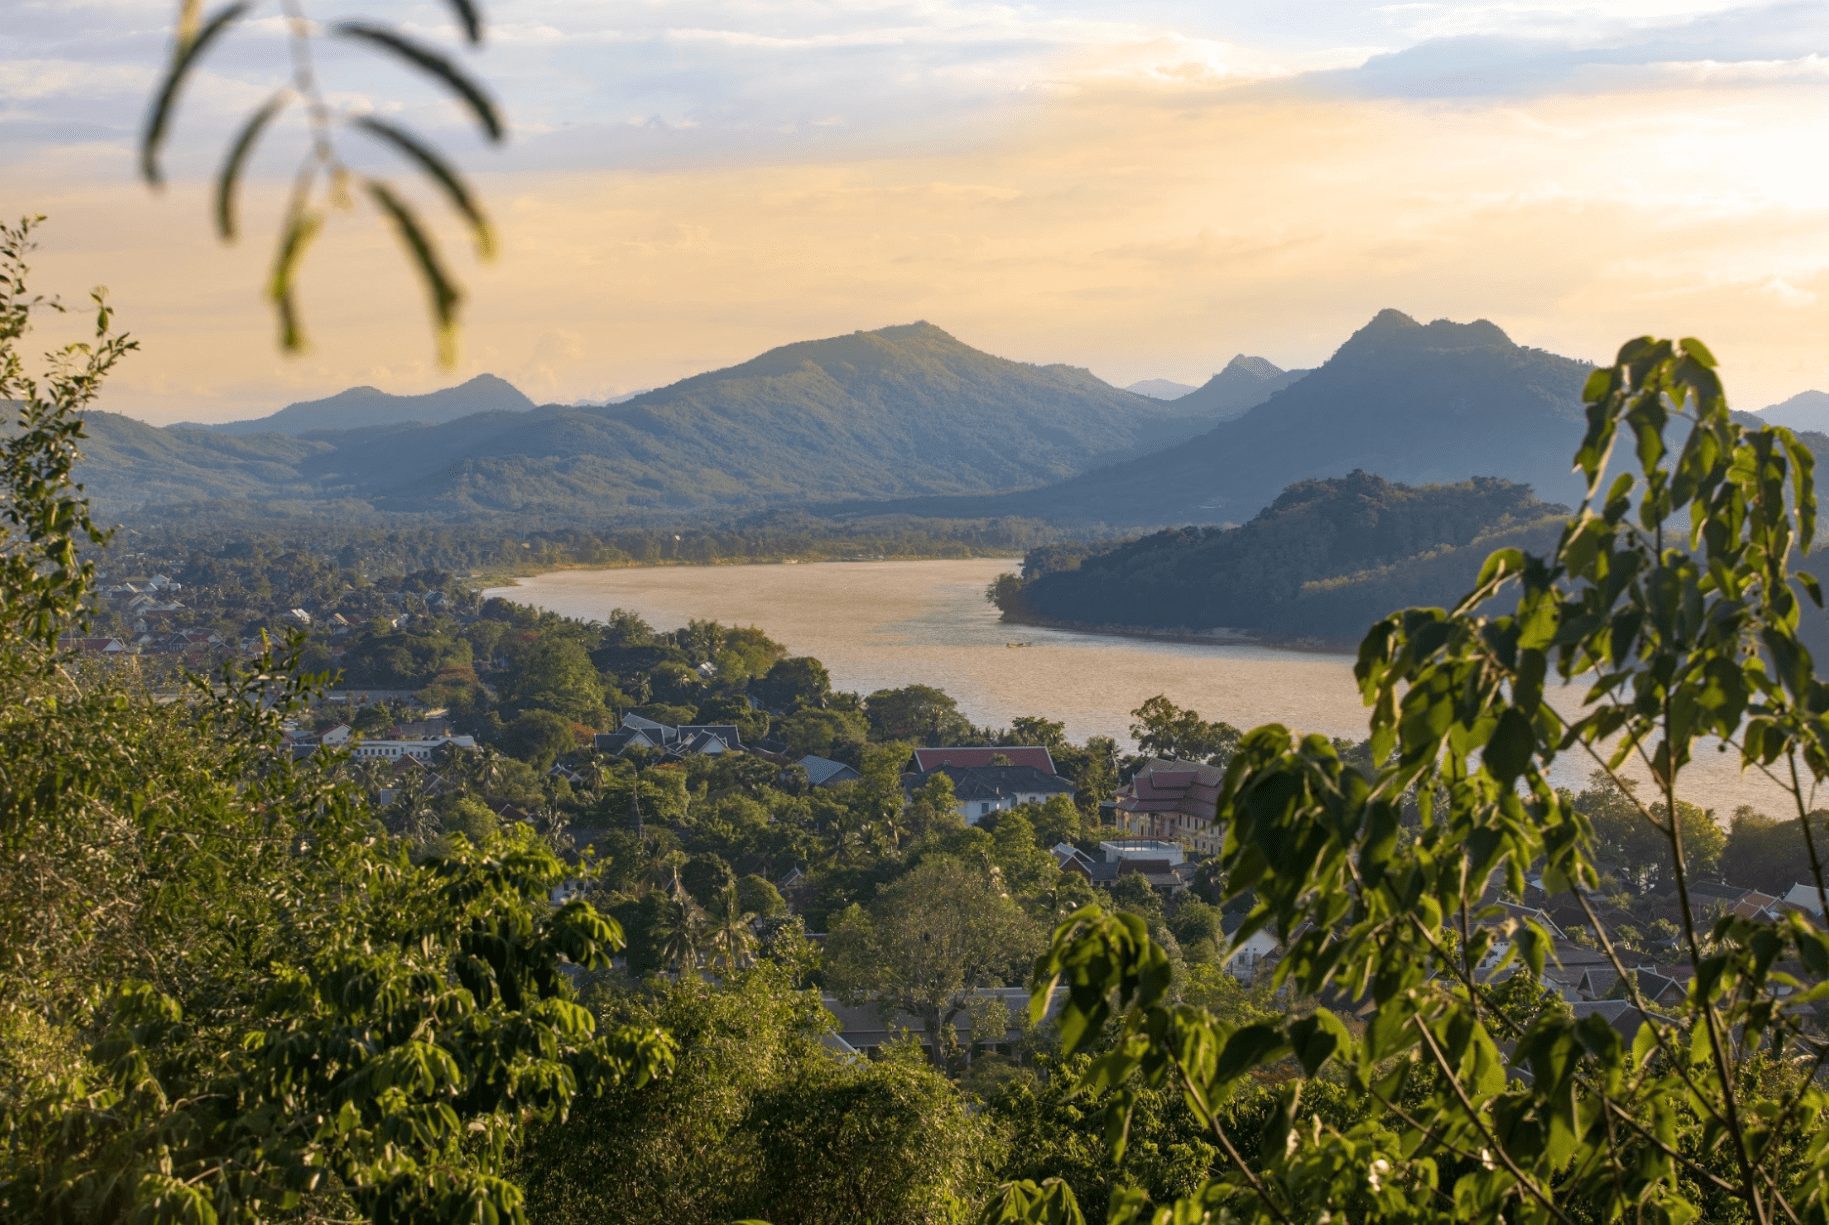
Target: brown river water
883	624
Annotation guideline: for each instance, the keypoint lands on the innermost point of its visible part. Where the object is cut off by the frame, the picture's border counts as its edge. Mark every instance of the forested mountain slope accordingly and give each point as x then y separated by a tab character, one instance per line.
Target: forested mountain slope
1324	560
127	463
904	411
1410	402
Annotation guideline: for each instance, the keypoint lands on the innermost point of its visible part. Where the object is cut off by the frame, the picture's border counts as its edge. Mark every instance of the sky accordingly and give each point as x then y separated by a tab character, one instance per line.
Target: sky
1143	189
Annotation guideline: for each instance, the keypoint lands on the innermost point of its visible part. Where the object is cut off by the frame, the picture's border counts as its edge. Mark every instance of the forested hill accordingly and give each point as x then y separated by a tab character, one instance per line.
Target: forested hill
904	411
1323	561
365	407
1411	402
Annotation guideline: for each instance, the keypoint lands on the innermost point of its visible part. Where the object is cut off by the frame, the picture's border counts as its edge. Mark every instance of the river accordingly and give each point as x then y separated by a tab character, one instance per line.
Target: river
883	624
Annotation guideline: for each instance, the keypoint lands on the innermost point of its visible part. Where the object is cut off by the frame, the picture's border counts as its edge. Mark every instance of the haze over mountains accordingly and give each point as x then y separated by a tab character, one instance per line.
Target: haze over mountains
1421	404
1807	410
906	420
1161	389
365	407
902	411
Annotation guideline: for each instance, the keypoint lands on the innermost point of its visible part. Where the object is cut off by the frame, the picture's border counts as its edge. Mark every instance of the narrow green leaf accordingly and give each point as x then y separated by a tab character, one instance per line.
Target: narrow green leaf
440	172
469	18
443	293
301	228
183	58
230	176
429	61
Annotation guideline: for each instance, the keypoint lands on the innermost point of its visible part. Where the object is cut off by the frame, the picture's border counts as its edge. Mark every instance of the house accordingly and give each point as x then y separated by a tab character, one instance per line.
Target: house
1034	756
824	772
1254	955
1174	801
96	646
336	736
419	750
1805	898
1161	864
979	791
687	740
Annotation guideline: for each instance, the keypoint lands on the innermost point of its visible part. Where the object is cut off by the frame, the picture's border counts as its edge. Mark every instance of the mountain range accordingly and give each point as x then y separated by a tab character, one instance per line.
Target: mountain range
903	419
899	412
1412	402
1807	410
365	407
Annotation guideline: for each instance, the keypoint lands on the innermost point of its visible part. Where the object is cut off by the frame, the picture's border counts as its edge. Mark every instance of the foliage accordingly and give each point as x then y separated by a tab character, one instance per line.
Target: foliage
225	994
760	1119
324	176
926	946
1322	560
1671	597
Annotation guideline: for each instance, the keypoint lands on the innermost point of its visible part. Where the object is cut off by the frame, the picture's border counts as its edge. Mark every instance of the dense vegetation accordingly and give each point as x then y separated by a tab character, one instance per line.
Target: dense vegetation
1323	560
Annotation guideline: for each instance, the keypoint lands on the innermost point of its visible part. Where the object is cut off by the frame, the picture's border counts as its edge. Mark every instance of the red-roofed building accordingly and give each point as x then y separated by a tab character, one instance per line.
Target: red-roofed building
1173	801
1033	756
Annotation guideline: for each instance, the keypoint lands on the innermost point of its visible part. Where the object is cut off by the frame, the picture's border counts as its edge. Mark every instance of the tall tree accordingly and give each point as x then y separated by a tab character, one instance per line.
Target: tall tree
932	939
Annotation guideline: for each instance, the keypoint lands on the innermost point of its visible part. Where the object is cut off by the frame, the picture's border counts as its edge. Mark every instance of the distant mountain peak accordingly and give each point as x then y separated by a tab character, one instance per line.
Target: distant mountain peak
1392	327
364	407
1256	367
920	329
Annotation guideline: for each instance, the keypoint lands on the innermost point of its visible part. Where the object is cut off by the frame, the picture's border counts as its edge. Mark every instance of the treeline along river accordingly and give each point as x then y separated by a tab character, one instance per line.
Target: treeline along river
879	625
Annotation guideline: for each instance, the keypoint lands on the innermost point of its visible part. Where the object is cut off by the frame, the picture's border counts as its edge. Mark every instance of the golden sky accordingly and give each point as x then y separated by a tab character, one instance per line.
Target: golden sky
1142	199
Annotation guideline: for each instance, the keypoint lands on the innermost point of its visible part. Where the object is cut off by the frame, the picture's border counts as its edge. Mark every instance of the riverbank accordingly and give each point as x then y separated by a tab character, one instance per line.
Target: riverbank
1189	637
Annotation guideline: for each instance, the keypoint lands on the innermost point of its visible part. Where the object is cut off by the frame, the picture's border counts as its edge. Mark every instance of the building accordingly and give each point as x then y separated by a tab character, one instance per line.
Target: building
1161	864
979	791
824	772
688	740
419	750
1173	801
928	760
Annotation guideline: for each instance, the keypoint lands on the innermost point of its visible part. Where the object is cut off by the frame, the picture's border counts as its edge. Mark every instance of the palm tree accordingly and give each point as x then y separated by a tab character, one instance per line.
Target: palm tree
729	935
679	928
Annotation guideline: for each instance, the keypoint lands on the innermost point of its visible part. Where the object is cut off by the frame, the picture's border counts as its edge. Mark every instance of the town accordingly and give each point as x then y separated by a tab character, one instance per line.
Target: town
705	772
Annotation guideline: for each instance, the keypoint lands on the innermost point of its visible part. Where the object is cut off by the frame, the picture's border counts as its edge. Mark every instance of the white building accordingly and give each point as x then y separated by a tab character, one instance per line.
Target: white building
421	750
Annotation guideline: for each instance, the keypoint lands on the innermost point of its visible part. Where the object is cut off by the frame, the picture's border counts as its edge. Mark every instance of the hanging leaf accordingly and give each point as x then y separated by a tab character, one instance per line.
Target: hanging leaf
429	61
187	53
470	19
444	295
190	15
230	176
440	171
301	228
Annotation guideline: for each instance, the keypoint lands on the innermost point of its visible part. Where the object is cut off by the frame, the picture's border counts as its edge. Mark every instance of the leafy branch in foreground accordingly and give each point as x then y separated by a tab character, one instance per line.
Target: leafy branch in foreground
225	993
321	181
1665	620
